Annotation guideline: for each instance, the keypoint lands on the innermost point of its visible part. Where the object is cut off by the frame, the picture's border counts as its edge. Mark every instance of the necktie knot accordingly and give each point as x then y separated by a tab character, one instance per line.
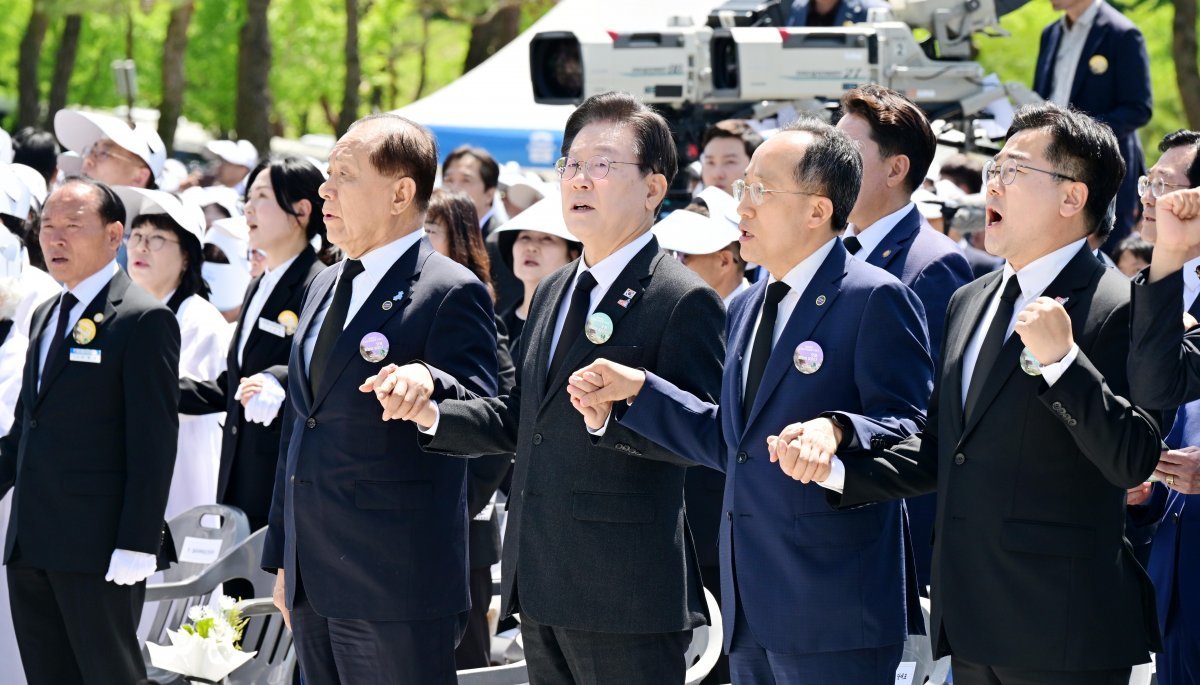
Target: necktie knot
585	283
852	243
68	303
776	292
351	269
1012	290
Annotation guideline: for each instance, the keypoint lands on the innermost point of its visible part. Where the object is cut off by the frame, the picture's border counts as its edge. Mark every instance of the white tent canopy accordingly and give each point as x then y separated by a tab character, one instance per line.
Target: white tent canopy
492	105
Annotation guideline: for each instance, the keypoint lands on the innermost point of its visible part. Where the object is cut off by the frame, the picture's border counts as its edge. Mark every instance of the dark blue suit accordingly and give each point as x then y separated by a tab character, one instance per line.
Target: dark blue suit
934	267
372	528
848	12
808	579
1112	84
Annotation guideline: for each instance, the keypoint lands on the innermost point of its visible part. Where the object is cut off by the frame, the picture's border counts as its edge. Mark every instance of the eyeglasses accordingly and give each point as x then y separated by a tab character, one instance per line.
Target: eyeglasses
1007	171
1158	187
153	242
596	168
758	192
104	151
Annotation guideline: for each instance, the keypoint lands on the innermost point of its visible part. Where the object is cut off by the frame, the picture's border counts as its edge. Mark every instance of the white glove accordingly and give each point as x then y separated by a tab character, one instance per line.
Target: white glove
130	568
264	406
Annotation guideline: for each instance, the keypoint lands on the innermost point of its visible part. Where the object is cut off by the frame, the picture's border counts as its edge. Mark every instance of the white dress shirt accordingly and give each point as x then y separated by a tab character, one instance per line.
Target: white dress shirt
872	235
1191	282
84	292
1034	279
376	264
1070	51
797	279
266	286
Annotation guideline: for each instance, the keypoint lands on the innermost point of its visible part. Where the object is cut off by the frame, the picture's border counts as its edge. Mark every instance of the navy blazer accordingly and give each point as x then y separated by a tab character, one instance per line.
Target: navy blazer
848	12
1112	84
379	526
810	579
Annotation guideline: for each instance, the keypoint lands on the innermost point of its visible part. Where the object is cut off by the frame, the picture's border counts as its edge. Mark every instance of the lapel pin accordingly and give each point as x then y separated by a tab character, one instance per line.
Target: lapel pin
887	253
387	305
599	328
374	347
99	316
1098	64
288	319
808	357
399	295
1062	300
820	300
630	292
84	331
623	304
1030	364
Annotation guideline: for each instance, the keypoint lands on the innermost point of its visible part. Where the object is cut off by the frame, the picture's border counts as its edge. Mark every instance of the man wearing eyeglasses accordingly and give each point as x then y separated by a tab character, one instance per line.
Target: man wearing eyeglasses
598	558
1031	440
1169	509
809	594
112	151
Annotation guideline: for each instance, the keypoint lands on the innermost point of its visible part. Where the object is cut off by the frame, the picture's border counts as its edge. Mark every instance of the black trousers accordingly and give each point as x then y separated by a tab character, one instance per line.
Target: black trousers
971	673
76	627
475	650
562	656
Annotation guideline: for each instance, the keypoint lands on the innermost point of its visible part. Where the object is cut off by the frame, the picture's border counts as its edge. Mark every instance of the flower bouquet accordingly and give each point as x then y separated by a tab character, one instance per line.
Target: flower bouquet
208	647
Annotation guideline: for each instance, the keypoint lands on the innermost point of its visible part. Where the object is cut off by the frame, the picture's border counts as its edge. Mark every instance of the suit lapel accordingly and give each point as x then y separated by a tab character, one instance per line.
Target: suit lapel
1044	81
896	240
371	316
231	361
1099	30
959	336
819	297
106	301
628	288
1076	276
322	288
740	337
279	296
538	342
37	324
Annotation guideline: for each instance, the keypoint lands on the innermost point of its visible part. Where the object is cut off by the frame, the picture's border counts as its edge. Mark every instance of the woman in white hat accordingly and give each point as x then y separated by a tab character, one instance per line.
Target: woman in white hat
534	245
165	259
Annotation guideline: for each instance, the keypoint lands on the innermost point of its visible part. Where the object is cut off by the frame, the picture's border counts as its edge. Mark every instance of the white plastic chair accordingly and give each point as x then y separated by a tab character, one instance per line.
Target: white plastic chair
705	648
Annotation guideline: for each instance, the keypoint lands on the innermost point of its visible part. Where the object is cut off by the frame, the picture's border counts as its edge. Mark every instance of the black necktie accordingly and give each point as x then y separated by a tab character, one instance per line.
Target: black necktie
993	342
335	321
66	304
852	244
763	335
1194	310
581	302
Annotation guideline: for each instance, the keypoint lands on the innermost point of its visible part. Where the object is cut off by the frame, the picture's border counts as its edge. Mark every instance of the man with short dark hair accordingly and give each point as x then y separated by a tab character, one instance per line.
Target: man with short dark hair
37	149
725	150
597	556
89	487
367	532
1160	378
810	595
1031	441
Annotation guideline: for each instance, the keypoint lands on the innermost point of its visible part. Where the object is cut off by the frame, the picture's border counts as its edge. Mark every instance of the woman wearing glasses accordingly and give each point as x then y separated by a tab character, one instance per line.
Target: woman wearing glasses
164	248
283	213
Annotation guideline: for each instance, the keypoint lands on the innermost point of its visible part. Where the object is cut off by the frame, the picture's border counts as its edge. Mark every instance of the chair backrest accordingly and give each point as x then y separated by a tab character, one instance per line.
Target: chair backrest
918	655
508	674
202	534
705	647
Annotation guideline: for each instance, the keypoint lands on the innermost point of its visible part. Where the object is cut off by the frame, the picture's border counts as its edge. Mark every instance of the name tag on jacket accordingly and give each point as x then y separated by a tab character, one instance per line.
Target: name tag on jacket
274	328
79	354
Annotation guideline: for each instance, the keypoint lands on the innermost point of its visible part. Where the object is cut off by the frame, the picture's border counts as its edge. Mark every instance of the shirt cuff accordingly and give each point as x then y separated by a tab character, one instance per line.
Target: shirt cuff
837	476
1053	372
432	430
599	432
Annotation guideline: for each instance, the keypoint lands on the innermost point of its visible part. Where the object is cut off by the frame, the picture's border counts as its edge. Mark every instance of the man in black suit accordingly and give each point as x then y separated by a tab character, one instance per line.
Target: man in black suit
1033	581
598	558
91	453
367	532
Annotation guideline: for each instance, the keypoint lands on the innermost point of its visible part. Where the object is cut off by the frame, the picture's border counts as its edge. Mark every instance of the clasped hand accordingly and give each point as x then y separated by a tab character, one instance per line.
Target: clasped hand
403	392
595	387
804	451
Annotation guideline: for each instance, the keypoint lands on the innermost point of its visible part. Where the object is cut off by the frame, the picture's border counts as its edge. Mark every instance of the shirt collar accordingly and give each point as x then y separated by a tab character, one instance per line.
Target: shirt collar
1041	272
802	274
606	270
90	287
379	260
742	287
1191	280
872	235
1085	20
486	218
273	275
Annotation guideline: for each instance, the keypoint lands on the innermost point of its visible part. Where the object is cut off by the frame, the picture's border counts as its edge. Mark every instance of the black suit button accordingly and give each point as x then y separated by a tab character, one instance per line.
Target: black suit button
33	423
960	458
623	447
293	478
311	422
742	457
537	438
1057	406
729	515
1072	422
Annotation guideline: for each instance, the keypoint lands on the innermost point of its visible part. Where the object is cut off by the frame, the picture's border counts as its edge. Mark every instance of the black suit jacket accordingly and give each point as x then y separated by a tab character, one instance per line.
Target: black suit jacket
250	451
1031	568
597	538
91	454
509	289
378	526
1164	362
486	473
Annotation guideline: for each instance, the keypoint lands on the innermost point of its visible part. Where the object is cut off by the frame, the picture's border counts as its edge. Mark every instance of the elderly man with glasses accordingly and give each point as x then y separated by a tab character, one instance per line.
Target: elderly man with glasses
1031	441
598	557
810	594
113	152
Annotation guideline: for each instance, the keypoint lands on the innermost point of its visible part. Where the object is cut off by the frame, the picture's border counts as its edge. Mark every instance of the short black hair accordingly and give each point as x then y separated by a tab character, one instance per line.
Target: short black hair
489	170
1080	147
831	166
407	149
294	179
964	170
737	129
653	145
1137	245
191	282
898	127
111	208
1185	138
37	149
